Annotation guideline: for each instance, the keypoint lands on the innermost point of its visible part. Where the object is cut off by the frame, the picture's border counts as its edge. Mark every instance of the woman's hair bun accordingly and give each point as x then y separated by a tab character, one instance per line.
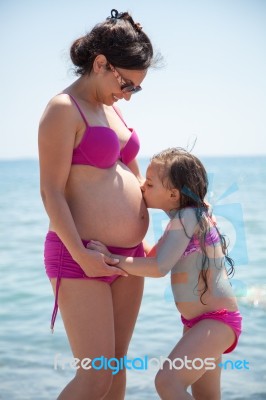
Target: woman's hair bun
119	39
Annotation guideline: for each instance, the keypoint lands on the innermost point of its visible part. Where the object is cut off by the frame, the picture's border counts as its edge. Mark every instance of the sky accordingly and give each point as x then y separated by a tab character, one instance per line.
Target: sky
211	89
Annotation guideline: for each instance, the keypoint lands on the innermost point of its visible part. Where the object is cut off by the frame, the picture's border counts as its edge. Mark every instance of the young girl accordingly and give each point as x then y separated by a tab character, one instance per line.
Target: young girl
195	252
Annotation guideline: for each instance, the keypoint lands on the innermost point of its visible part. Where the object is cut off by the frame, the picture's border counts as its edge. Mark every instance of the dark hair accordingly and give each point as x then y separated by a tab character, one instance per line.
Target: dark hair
119	39
183	171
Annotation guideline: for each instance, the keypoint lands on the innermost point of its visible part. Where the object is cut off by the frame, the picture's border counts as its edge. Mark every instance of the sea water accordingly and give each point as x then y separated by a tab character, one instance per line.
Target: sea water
27	349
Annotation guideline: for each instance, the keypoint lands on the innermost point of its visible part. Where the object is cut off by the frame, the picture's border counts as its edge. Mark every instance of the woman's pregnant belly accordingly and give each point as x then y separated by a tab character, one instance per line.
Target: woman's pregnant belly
107	205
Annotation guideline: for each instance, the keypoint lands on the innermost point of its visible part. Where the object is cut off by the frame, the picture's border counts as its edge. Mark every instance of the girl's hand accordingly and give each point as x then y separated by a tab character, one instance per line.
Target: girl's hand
100	247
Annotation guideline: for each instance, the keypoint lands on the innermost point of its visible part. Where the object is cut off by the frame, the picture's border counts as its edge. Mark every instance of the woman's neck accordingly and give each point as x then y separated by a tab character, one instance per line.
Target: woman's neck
85	89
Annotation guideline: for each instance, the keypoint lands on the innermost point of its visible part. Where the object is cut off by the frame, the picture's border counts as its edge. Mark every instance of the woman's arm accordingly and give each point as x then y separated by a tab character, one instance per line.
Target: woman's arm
134	167
57	133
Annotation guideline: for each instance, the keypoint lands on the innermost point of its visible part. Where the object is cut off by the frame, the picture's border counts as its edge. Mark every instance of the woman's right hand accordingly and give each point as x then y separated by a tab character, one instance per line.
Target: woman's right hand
96	264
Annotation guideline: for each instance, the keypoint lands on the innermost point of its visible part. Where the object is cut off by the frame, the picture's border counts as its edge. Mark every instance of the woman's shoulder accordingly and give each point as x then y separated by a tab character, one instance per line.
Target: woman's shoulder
59	107
60	119
60	100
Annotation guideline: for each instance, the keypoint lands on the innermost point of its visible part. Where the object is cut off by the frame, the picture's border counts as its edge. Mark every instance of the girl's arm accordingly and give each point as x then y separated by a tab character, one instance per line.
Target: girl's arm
167	252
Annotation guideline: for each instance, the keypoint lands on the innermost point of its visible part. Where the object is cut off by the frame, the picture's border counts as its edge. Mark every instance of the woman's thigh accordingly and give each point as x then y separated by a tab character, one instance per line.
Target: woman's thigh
127	294
86	308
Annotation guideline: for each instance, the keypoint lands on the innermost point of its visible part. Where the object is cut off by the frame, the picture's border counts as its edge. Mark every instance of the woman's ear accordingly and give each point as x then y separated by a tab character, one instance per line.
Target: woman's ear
99	63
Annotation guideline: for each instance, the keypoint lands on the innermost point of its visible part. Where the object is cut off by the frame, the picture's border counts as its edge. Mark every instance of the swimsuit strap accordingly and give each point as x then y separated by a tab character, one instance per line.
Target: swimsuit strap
83	116
55	310
120	115
58	280
78	107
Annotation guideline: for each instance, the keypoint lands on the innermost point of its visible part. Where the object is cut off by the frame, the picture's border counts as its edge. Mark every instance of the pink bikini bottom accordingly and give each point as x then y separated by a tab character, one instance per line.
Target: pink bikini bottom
59	263
231	318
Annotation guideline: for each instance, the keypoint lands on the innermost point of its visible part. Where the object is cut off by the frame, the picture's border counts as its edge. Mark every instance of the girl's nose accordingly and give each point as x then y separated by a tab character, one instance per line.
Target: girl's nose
142	187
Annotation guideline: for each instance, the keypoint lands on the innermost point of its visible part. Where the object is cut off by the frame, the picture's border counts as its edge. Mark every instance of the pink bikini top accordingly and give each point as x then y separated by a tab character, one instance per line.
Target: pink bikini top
212	238
100	146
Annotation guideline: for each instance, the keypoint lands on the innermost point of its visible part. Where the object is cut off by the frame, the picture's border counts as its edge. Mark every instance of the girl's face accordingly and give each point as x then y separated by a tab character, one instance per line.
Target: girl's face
155	194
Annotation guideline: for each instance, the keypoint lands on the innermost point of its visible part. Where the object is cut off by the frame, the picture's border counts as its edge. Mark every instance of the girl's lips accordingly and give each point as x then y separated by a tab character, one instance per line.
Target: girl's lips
144	200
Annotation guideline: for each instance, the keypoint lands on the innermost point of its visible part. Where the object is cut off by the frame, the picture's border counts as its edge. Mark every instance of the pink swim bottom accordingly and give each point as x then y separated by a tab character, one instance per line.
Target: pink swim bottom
60	264
230	318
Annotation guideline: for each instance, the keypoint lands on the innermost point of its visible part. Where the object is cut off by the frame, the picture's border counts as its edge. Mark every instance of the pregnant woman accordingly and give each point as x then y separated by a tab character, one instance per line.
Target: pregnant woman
90	186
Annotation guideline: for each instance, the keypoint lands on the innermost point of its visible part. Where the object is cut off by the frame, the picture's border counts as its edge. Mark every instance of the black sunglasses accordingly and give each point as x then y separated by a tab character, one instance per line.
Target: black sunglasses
124	86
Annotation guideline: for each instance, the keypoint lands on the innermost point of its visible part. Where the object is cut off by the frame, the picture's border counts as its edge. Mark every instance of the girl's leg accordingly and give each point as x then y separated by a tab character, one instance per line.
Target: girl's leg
87	311
127	294
207	339
208	387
